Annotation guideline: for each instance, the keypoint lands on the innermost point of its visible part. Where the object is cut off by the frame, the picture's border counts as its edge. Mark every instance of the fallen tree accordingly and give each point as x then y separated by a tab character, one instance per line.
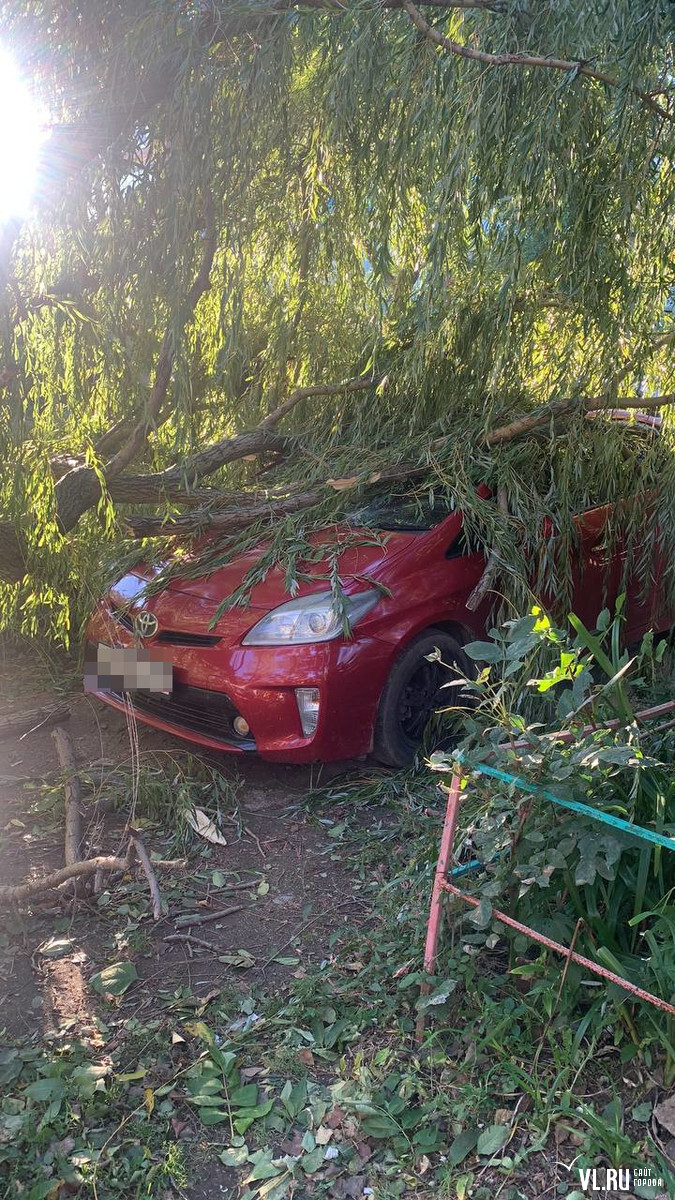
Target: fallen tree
284	254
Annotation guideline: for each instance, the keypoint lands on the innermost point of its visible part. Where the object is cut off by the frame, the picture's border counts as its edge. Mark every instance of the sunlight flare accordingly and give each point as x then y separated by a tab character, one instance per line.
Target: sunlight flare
22	131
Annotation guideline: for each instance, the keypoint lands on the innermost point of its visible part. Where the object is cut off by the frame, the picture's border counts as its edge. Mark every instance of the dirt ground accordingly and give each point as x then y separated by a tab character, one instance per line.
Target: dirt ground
299	895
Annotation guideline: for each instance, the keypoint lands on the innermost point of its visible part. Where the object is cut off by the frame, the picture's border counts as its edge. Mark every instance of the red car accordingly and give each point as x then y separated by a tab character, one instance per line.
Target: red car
281	678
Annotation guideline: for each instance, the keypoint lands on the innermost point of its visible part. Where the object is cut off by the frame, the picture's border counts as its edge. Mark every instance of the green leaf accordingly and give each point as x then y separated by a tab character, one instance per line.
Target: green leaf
439	995
114	980
88	1078
314	1160
56	947
247	1116
42	1189
486	652
46	1089
234	1156
263	1167
212	1116
244	1097
462	1145
492	1139
427	1138
585	871
642	1112
380	1126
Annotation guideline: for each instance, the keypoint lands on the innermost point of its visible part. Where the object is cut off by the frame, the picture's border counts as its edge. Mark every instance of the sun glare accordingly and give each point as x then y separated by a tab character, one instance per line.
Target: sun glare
22	130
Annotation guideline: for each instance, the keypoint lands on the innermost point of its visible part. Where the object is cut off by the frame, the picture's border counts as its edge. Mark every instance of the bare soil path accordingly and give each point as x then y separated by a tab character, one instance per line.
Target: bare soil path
279	870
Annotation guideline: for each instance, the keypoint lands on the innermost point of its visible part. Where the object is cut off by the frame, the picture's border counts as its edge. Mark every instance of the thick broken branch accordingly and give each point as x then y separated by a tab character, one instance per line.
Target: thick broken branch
73	795
15	893
578	67
211	458
229	520
80	489
567	407
24	723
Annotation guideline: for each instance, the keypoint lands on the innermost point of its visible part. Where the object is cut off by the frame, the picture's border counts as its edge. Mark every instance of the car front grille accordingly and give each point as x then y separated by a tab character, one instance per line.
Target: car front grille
204	711
177	637
168	637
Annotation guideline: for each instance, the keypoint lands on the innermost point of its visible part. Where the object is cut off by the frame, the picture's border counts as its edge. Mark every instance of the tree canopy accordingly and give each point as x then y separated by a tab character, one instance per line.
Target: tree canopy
382	240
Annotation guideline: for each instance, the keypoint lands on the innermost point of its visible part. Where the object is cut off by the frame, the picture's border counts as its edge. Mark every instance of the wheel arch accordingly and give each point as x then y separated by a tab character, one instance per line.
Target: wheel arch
459	632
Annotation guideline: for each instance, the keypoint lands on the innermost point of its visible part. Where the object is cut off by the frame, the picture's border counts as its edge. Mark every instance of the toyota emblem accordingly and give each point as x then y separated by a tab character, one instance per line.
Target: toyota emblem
145	625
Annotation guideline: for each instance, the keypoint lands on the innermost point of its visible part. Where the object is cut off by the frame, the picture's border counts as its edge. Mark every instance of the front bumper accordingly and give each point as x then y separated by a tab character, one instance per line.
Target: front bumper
259	682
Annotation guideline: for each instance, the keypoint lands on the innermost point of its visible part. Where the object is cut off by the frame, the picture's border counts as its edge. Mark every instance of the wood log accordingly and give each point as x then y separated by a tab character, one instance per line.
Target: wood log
21	724
73	795
15	893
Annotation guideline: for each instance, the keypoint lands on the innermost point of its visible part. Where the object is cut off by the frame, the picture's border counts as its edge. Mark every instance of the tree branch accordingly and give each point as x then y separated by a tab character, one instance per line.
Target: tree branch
525	60
15	893
564	408
229	520
146	865
73	795
319	389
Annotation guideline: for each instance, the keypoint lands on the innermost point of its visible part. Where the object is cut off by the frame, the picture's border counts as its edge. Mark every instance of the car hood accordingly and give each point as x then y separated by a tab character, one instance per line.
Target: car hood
357	565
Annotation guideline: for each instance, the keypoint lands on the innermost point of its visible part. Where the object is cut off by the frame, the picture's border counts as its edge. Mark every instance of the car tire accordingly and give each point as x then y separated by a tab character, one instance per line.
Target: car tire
411	695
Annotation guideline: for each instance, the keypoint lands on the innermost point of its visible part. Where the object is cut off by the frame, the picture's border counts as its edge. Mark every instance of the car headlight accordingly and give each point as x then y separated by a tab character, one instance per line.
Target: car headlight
309	619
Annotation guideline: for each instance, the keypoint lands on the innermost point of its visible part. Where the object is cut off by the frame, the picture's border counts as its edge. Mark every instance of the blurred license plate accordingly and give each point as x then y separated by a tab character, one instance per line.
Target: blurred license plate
125	669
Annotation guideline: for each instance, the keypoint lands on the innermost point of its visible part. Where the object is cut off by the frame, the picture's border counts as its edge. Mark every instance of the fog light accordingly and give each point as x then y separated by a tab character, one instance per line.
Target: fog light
241	726
308	707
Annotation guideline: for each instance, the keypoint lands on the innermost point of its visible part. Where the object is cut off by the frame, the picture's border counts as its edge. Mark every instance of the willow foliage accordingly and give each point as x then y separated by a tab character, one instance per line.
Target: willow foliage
488	237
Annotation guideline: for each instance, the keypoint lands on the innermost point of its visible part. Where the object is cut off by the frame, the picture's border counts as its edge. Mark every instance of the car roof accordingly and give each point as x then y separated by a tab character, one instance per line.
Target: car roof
648	421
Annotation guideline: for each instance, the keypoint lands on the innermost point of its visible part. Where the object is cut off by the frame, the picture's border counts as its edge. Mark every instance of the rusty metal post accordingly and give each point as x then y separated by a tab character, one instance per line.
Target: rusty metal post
566	951
436	907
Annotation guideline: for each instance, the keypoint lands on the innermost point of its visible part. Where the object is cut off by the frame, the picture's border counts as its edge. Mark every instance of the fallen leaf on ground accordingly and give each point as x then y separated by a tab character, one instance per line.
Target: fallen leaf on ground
206	1000
348	1188
293	1145
665	1113
115	979
336	1116
55	947
323	1135
204	826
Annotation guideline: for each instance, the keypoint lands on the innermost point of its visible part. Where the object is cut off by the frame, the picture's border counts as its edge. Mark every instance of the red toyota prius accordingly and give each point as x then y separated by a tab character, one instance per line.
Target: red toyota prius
280	677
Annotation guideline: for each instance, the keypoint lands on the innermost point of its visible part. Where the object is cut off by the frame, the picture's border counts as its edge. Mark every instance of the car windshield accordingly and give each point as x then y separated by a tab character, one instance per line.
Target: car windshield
410	514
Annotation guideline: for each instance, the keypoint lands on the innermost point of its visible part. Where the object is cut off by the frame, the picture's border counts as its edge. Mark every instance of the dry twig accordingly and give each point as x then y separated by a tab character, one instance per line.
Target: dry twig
205	918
